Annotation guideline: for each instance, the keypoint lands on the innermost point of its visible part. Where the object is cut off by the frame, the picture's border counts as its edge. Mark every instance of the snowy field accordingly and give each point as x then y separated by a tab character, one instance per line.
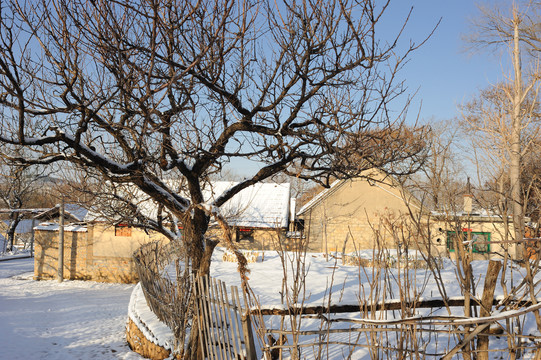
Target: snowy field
86	320
69	320
328	281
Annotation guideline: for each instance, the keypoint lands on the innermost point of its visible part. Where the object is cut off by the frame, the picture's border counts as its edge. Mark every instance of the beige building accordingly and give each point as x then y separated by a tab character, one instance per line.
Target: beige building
96	251
487	236
375	211
101	251
358	213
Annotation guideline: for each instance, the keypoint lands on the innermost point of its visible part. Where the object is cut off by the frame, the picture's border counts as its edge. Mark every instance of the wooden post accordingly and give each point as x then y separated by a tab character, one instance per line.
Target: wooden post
247	328
60	273
248	336
32	237
486	305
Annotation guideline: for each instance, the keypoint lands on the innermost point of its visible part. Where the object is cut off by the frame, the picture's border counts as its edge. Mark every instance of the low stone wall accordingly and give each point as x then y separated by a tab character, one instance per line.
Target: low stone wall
145	334
141	345
413	264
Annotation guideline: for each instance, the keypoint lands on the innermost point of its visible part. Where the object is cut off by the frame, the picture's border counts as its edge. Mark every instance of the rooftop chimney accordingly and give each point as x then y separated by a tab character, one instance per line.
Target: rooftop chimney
468	201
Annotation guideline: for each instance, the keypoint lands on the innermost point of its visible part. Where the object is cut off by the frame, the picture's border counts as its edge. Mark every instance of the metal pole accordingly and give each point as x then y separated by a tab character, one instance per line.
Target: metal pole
60	275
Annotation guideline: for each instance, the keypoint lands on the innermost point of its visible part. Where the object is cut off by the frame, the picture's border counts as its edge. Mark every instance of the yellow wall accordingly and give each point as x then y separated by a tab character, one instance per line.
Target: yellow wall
260	239
100	255
93	255
107	244
360	214
499	234
350	215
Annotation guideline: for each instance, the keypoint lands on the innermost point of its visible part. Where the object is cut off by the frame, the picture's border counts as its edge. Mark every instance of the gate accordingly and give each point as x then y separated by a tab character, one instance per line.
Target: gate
225	328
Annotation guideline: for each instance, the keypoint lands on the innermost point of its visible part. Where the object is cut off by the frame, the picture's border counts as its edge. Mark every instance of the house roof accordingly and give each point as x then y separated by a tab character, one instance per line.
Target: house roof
48	226
262	205
75	211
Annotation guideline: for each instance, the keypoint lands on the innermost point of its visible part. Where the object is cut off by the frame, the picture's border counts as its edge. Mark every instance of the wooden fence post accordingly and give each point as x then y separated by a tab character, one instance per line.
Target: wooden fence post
248	335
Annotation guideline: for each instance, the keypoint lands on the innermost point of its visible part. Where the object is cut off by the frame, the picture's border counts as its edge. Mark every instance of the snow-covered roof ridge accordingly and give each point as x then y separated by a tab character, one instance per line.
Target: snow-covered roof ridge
261	205
48	226
320	196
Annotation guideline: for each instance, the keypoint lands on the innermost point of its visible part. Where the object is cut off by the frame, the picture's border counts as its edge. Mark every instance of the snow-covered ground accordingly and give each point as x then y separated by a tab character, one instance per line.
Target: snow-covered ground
8	255
86	320
68	320
18	251
329	281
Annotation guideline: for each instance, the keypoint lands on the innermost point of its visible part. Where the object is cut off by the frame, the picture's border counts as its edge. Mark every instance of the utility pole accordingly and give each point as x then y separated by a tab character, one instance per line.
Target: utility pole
60	274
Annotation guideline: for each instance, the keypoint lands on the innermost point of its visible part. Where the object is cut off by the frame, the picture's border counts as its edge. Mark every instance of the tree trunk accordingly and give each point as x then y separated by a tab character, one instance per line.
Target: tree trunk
200	254
515	154
15	219
516	163
486	305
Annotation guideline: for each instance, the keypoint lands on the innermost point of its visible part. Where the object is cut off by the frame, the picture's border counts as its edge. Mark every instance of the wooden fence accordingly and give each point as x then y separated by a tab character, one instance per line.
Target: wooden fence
176	298
227	331
167	296
364	331
227	326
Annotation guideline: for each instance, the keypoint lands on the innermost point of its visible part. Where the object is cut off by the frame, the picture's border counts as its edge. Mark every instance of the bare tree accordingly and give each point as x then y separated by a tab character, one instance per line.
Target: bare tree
20	184
515	31
143	91
147	90
438	184
505	115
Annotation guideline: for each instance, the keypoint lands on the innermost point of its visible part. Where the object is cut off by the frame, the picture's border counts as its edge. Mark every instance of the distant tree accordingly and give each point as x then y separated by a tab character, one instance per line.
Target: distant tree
504	117
438	184
20	185
511	104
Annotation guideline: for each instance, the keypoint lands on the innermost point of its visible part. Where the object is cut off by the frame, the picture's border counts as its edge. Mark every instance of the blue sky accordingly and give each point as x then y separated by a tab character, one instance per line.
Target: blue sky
445	74
442	72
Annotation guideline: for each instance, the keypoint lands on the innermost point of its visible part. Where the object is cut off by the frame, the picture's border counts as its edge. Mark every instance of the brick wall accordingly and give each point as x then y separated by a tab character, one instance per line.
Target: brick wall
80	263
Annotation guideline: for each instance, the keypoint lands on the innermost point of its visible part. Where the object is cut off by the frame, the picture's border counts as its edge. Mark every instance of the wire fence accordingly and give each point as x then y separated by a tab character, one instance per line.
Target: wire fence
166	285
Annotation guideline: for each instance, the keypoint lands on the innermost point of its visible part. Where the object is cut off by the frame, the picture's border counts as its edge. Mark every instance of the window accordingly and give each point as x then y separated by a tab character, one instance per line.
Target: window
480	240
122	230
245	234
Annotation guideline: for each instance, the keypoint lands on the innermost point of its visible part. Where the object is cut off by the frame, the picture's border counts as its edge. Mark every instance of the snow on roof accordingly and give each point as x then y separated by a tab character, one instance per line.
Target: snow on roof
261	205
479	213
47	226
76	211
